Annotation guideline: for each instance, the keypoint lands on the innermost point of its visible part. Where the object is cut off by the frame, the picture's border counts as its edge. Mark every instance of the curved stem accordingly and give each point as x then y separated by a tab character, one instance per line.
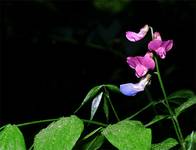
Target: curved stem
173	117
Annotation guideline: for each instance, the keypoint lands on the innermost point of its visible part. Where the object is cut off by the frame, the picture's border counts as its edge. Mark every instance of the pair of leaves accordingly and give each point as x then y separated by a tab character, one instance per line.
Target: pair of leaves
95	95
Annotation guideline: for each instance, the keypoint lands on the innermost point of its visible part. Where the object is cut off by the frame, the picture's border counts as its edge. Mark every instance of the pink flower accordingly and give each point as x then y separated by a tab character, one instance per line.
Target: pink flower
159	46
131	89
141	64
132	36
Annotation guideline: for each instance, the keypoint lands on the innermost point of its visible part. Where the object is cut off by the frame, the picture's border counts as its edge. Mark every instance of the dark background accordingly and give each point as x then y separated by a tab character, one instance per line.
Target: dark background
54	52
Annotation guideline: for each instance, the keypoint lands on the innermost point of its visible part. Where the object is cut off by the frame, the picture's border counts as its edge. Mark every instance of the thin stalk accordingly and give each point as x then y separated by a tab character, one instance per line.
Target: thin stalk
173	117
51	120
141	110
112	106
115	113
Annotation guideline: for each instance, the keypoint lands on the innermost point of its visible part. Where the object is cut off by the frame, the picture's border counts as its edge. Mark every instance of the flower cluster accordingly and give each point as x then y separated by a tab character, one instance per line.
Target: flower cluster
142	64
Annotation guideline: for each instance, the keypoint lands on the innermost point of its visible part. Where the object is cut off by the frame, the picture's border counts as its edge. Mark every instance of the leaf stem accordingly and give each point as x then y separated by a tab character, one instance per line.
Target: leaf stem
51	120
141	110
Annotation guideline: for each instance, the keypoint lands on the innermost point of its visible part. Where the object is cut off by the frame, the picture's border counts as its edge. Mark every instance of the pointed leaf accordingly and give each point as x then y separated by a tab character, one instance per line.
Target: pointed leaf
112	88
59	135
191	101
128	135
157	118
95	104
105	105
165	145
11	138
95	144
90	95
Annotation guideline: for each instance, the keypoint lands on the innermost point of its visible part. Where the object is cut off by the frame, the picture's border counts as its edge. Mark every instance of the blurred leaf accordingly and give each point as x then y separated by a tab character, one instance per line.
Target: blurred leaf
180	96
128	135
90	95
59	135
105	105
191	101
165	145
191	141
113	6
112	88
95	104
157	118
95	144
11	138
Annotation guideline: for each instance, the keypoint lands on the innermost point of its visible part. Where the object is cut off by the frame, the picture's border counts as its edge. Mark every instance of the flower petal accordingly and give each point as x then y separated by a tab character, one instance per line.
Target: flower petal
132	36
167	45
134	61
140	70
154	44
131	89
148	61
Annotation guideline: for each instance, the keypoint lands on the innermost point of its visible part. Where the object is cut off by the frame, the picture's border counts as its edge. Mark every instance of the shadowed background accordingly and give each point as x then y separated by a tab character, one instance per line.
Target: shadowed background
54	52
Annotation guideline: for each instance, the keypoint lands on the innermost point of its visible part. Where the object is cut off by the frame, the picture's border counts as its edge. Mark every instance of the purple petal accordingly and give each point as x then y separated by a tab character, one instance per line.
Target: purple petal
140	70
167	45
148	61
154	45
157	36
132	36
161	52
134	61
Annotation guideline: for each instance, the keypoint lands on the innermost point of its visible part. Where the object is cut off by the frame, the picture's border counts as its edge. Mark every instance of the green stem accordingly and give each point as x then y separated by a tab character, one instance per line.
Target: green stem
112	106
115	113
51	120
173	117
141	110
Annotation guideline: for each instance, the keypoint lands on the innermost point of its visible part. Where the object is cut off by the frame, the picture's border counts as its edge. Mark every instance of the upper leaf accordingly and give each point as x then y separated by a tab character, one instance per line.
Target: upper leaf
90	95
59	135
11	138
128	135
95	104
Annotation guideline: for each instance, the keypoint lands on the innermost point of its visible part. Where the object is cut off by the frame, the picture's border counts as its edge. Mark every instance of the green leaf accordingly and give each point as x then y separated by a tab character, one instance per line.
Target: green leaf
191	101
11	138
95	144
191	141
90	95
95	104
105	105
165	145
112	88
128	135
157	118
180	96
59	135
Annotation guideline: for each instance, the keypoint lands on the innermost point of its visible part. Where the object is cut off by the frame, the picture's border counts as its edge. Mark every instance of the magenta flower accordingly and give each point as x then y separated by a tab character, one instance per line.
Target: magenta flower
132	36
131	89
141	64
159	46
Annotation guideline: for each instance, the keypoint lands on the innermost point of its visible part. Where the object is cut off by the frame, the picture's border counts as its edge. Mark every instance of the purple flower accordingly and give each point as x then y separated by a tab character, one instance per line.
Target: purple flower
141	64
131	89
132	36
159	46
